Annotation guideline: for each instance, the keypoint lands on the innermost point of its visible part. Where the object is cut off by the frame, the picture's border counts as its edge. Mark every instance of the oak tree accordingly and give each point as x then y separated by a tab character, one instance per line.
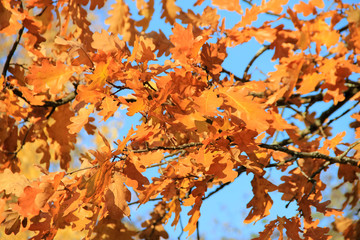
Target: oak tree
202	125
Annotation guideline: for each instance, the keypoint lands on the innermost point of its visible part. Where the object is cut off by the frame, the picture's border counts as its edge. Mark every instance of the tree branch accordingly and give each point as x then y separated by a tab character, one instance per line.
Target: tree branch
12	51
184	146
338	159
258	54
239	171
238	79
323	117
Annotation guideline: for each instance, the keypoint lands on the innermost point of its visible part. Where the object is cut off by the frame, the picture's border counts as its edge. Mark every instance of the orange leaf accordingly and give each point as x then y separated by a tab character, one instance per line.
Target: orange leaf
310	81
26	203
80	120
195	215
230	5
169	11
13	183
248	109
99	76
183	40
208	103
136	106
108	107
261	202
116	197
119	21
49	76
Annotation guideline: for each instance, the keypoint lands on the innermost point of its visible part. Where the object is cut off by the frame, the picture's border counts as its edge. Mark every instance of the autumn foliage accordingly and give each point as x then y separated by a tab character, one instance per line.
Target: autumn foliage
202	125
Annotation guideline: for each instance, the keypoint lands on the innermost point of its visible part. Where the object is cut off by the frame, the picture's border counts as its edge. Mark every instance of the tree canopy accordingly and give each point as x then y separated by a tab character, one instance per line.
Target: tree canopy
201	125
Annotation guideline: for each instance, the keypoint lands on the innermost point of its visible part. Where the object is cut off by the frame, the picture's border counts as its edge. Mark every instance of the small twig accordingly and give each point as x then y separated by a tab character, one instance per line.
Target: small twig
341	115
239	171
162	163
235	77
216	190
197	230
258	54
82	169
320	169
303	173
150	200
184	146
23	141
338	159
341	156
281	163
182	152
288	204
182	228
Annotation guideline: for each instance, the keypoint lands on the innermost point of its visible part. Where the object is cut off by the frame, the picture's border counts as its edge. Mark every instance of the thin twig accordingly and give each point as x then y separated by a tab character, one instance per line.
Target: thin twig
341	156
239	171
258	54
82	169
323	117
337	159
281	163
341	115
235	77
23	141
197	231
182	228
150	200
184	146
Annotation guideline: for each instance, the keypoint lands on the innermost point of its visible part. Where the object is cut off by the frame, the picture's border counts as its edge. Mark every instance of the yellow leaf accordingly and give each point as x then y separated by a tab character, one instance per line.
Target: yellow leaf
99	76
80	120
48	76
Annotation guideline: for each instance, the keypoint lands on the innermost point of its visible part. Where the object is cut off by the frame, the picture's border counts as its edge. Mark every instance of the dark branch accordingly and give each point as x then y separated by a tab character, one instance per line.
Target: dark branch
339	159
258	54
348	94
235	77
12	51
239	171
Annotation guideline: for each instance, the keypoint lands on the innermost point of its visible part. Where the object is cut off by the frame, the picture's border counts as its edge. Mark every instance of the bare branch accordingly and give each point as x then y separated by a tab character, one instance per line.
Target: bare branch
258	54
12	51
197	231
235	77
82	169
184	146
338	159
341	156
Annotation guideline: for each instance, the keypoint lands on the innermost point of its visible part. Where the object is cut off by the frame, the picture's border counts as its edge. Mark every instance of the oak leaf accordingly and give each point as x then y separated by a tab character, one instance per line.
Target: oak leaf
120	22
12	222
13	183
116	197
208	17
169	10
99	76
80	120
261	202
113	228
232	5
245	108
108	107
48	76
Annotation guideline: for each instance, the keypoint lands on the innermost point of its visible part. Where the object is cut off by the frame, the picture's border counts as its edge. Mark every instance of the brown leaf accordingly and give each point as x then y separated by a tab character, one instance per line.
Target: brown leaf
117	196
13	183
